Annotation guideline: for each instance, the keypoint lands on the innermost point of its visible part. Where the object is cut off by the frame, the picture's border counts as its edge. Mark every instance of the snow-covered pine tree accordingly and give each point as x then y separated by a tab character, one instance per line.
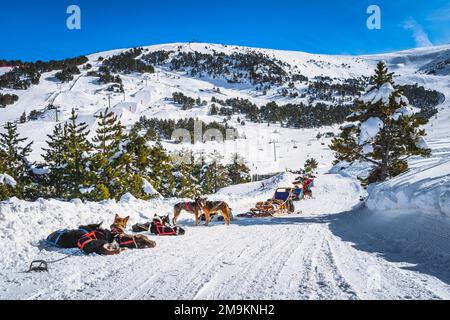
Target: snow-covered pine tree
237	170
138	151
8	186
160	171
384	130
215	175
77	172
187	181
134	160
199	172
55	160
13	157
107	162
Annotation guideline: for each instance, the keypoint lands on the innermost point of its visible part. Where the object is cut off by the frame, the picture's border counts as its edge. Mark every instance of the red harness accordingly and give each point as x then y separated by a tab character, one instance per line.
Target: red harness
188	206
86	239
162	230
123	239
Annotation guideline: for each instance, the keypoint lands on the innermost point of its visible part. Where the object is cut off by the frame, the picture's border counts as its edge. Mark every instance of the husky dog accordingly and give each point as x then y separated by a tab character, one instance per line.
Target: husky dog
211	207
68	239
99	242
195	208
129	241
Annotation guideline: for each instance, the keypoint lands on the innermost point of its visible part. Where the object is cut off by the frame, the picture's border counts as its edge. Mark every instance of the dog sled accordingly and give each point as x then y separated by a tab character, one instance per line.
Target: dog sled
303	185
281	204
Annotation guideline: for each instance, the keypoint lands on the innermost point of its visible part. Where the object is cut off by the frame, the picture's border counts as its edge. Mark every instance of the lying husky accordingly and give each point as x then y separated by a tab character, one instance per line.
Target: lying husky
68	239
159	226
100	242
129	241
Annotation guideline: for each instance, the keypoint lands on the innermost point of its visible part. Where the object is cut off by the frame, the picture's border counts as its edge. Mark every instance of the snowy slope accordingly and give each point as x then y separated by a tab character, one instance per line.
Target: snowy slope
397	248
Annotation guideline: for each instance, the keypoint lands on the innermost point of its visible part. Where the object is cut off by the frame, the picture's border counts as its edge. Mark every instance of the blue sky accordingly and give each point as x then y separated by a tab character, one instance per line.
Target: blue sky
37	29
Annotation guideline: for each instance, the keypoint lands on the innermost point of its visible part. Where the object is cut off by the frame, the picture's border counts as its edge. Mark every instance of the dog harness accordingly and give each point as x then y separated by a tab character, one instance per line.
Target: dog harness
122	238
188	206
126	240
54	238
162	230
86	239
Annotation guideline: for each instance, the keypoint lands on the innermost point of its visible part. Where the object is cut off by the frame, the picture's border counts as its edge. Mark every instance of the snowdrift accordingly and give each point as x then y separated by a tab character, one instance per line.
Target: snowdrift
425	190
23	224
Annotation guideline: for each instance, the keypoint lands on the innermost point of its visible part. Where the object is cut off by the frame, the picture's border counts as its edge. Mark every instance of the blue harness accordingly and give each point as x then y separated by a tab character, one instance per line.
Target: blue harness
54	238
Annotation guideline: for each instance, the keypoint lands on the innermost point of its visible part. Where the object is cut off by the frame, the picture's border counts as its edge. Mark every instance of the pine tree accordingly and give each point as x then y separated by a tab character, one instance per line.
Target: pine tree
384	131
7	189
138	152
199	171
107	162
76	170
214	110
186	177
237	170
55	158
13	157
160	171
215	175
23	117
311	165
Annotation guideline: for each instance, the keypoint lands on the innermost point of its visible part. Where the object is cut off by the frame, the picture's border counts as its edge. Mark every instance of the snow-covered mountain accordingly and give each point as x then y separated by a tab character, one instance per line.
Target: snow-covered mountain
293	77
330	251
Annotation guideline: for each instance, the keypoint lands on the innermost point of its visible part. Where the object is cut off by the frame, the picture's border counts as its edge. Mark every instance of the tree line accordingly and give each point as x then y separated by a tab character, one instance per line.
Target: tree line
108	166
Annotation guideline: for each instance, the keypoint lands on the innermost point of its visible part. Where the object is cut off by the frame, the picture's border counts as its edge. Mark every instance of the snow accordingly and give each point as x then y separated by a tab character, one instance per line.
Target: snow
40	171
422	143
128	198
370	129
379	94
406	111
149	189
322	253
423	190
6	179
367	148
87	190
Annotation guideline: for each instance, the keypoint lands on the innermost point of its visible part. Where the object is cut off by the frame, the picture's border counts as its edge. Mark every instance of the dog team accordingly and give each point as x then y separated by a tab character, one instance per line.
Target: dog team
94	239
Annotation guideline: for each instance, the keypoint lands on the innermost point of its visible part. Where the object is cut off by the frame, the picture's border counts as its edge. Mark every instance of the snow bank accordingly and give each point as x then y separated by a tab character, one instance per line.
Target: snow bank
24	224
424	190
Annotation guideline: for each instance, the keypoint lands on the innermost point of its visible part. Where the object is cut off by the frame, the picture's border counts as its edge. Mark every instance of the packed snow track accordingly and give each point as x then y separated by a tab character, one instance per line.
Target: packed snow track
329	251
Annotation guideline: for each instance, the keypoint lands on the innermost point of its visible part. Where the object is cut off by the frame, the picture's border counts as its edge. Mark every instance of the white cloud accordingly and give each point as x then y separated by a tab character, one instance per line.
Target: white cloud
420	36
